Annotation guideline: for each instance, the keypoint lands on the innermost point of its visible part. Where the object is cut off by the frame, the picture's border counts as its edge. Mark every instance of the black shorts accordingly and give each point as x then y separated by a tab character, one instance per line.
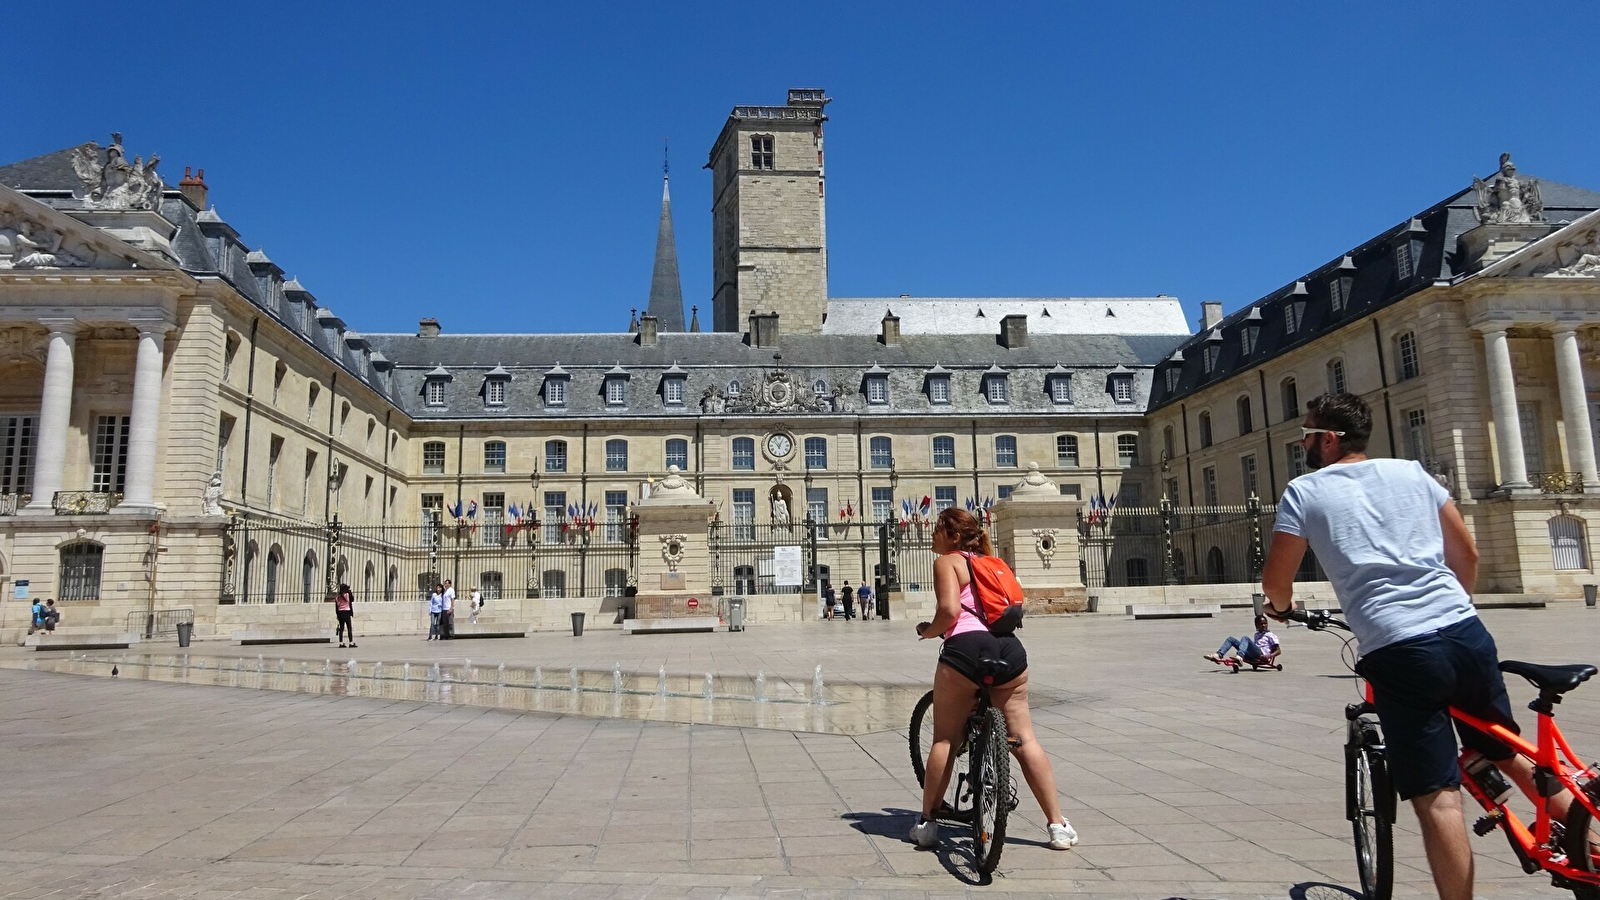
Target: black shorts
964	651
1415	681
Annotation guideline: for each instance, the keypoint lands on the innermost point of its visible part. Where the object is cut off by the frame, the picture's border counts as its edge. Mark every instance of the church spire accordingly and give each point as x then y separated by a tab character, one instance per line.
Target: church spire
666	289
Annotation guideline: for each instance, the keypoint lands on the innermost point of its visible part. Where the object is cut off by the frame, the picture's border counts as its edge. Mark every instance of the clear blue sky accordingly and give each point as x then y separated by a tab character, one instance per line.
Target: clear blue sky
498	165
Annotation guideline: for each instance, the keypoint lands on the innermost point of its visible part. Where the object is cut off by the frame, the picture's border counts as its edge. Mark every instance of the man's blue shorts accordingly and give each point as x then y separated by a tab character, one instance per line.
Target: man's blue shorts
1414	683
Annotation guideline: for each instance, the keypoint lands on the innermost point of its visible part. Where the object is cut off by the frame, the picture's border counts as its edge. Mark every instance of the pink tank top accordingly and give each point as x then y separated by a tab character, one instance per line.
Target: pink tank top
968	619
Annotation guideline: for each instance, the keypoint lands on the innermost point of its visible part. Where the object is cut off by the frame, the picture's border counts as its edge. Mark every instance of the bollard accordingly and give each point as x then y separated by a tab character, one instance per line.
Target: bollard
1589	595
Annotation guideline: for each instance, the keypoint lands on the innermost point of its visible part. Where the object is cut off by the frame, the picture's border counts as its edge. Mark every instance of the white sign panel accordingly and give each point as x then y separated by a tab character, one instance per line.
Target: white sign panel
786	568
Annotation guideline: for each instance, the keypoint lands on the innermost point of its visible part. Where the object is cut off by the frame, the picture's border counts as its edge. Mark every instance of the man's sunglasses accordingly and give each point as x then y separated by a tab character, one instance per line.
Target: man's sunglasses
1308	432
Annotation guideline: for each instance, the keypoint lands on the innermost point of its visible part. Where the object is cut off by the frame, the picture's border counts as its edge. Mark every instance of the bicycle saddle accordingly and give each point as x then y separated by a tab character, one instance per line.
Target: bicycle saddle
992	669
1559	679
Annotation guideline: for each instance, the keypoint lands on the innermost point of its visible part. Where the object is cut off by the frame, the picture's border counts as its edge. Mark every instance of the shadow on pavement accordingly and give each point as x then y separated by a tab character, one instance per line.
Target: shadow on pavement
957	857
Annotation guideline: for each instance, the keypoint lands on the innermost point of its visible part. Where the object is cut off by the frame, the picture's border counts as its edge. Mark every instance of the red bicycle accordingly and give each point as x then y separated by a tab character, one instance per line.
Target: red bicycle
1565	849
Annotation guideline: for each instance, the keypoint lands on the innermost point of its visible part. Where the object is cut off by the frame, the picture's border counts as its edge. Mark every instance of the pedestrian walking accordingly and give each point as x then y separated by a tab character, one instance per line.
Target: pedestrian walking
474	603
864	598
344	604
849	598
36	618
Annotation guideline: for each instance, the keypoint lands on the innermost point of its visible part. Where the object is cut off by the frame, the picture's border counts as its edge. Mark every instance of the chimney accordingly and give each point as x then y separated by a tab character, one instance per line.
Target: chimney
428	328
764	329
1210	314
891	328
647	330
1014	331
194	187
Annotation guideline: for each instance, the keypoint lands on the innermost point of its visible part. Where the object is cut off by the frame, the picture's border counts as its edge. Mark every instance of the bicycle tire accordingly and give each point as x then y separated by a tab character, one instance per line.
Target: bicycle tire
1576	843
1367	786
991	795
957	794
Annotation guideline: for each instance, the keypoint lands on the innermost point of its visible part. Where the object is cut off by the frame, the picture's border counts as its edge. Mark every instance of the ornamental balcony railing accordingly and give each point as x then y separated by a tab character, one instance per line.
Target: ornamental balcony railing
10	503
1556	482
84	503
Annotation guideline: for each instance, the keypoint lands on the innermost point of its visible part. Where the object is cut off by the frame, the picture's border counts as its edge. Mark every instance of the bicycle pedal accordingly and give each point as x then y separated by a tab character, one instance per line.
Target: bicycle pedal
1486	824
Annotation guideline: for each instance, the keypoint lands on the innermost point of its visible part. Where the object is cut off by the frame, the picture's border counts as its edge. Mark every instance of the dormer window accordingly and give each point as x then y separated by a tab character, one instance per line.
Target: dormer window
878	389
1250	332
556	382
1058	382
734	389
1402	262
494	386
996	385
1344	278
616	386
761	151
1294	308
1122	388
1409	251
819	388
1173	374
938	384
433	387
674	386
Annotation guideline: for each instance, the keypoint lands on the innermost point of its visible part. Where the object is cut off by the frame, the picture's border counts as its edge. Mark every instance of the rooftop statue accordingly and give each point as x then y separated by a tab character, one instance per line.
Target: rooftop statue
117	183
1508	200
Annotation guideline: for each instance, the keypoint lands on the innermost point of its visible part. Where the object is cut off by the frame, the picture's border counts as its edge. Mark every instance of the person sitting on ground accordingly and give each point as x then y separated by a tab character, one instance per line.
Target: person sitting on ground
1260	648
51	615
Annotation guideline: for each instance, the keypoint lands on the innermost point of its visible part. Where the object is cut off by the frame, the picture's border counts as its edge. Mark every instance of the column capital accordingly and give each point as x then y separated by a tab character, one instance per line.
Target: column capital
1492	326
61	324
155	325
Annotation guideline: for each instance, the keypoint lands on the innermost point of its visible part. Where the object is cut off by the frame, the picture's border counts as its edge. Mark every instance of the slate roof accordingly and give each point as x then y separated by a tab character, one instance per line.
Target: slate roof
1046	315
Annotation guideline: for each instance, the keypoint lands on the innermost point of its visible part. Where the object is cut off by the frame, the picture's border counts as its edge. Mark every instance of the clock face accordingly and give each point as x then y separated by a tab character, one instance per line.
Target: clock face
780	445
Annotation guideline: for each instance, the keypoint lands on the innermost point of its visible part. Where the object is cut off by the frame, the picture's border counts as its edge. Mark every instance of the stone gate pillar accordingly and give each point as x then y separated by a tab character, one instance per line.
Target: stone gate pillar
1035	532
674	559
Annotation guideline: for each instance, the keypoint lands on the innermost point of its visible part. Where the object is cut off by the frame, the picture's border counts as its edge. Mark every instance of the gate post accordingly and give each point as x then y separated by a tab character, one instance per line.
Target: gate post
811	557
1258	555
1169	574
332	546
886	580
230	553
714	544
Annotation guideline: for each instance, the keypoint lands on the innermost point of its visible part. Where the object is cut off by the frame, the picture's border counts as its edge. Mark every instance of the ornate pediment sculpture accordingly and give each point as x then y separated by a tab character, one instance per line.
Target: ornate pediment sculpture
117	183
778	392
1586	266
25	244
1509	200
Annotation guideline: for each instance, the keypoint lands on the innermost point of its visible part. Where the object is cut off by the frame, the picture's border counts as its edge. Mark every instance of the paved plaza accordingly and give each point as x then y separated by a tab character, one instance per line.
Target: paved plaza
1183	780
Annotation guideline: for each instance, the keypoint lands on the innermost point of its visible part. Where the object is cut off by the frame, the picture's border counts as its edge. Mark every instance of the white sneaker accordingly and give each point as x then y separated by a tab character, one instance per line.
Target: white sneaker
925	834
1062	836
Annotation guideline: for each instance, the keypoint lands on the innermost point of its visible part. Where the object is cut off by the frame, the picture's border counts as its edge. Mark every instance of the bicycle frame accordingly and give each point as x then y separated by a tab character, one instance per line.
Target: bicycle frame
1533	848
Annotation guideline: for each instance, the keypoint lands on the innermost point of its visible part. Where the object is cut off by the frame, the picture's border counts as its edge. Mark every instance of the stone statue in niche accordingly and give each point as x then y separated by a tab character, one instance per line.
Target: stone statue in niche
1509	200
211	500
780	510
117	183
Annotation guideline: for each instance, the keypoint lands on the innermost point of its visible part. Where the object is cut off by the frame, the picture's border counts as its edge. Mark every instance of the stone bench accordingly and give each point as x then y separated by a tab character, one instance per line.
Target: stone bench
468	631
1511	601
257	636
92	641
675	625
1174	610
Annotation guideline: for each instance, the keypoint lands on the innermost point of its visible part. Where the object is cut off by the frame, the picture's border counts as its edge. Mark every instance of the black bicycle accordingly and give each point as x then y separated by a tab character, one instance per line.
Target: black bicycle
981	792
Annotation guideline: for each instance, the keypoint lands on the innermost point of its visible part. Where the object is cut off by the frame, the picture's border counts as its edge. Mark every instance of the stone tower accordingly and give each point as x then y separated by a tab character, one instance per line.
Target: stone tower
769	233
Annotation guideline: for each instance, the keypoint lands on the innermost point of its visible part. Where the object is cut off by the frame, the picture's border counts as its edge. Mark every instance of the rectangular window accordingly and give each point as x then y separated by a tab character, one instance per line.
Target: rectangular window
1072	490
882	504
939	389
817	506
943	498
1247	472
944	452
616	391
435	393
1122	388
1061	389
996	389
1247	339
110	453
1295	453
1410	365
494	457
1005	491
555	512
1208	478
1418	444
1130	494
494	392
881	451
1402	261
1172	490
761	152
1173	374
744	453
1532	439
430	504
1005	451
555	392
1127	450
1336	297
433	458
1291	317
1067	451
1336	376
678	454
1210	356
555	456
16	453
878	389
744	514
616	516
493	585
616	455
816	453
494	520
672	391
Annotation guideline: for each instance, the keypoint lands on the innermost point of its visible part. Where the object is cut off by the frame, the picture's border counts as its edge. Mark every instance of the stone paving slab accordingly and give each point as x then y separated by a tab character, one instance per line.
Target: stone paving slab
1184	780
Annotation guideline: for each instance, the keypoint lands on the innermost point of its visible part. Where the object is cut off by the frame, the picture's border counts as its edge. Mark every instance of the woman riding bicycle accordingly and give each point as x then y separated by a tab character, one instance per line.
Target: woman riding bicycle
955	681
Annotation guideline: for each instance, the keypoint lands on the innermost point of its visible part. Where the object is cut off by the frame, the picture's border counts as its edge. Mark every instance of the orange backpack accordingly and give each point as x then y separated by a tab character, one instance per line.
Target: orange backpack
997	591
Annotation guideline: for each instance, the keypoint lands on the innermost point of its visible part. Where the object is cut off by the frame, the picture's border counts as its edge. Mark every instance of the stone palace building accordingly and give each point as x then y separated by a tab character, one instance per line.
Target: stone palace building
187	432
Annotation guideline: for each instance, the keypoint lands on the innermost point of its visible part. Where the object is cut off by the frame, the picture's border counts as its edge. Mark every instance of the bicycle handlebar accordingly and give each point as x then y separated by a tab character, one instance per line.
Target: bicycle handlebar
1317	619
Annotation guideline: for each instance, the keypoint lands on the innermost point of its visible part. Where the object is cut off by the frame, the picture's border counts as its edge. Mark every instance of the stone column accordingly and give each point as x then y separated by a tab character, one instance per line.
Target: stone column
1575	408
55	412
1035	532
1503	403
144	426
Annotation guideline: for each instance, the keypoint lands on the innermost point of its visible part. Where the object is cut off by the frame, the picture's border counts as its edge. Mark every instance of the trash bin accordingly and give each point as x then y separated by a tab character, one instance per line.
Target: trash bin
577	624
186	631
1589	595
1258	602
1094	603
735	613
883	605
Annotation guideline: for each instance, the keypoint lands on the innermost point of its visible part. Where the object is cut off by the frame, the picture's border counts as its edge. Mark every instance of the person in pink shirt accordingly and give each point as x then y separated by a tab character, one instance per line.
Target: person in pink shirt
344	607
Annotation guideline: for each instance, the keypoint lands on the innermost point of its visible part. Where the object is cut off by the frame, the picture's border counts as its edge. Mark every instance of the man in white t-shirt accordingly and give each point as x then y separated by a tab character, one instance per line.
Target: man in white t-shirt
1402	564
447	616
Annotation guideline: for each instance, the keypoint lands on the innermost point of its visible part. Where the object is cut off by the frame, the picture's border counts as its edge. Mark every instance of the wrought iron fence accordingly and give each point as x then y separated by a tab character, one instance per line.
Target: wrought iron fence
270	560
84	503
889	555
10	503
1177	545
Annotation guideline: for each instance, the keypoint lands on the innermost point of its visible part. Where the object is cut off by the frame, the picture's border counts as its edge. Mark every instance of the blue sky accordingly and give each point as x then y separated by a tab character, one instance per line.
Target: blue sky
498	165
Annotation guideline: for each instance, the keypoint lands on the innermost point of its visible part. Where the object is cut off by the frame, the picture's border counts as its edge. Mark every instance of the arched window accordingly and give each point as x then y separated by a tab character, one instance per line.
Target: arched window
274	568
1246	421
494	456
1005	451
1179	566
391	583
80	571
230	346
1067	450
819	388
433	458
816	453
1336	382
555	456
880	452
308	575
251	551
616	455
368	579
1567	544
1127	450
678	453
1205	430
944	452
734	389
1291	398
1216	566
616	582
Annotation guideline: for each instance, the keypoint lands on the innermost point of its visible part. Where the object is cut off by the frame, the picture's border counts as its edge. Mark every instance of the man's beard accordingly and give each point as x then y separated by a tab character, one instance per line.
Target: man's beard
1314	458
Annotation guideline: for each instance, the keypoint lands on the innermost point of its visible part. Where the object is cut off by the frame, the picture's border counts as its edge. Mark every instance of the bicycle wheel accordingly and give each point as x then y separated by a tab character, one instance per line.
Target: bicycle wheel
992	790
958	792
1368	795
1580	842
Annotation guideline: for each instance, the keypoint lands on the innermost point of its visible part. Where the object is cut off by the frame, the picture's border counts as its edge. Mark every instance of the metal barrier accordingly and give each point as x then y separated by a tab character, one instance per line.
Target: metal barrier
164	623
